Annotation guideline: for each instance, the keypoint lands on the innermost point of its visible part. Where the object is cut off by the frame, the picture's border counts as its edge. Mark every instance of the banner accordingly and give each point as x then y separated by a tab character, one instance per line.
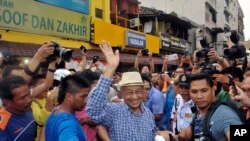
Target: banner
165	40
38	18
178	43
81	6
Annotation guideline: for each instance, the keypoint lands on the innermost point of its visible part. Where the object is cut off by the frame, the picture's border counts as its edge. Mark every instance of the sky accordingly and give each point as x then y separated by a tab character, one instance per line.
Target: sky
245	7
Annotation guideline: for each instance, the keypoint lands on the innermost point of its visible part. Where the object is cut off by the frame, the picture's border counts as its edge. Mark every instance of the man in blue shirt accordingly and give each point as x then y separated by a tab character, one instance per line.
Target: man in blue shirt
62	124
154	101
127	121
16	119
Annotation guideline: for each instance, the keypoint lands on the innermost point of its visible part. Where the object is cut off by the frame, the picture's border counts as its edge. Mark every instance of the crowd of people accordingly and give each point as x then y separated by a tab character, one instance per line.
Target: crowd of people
197	101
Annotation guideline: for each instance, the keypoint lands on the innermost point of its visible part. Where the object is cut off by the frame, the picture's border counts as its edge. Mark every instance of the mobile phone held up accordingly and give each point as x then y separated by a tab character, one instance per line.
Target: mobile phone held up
172	57
83	49
144	51
186	53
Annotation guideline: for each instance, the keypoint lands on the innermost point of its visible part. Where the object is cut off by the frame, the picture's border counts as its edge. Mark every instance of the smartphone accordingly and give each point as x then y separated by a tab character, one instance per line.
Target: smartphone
231	82
172	57
83	48
95	59
186	53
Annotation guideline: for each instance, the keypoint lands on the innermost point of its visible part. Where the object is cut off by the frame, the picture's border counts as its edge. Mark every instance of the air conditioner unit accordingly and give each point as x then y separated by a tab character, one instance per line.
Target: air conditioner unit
134	22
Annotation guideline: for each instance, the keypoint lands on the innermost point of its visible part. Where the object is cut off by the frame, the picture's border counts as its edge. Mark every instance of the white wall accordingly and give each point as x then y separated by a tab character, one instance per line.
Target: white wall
192	9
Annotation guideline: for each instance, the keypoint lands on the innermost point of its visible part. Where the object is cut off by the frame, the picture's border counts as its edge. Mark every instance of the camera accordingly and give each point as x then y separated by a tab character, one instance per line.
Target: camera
95	59
236	51
144	51
83	49
65	54
203	52
209	69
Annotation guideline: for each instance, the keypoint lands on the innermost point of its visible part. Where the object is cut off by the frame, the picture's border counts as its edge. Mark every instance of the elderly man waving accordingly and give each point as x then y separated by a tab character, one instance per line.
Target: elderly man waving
127	121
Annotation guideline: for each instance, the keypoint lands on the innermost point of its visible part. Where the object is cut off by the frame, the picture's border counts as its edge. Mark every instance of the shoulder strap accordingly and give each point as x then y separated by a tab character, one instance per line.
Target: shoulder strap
205	126
211	110
238	111
176	109
193	124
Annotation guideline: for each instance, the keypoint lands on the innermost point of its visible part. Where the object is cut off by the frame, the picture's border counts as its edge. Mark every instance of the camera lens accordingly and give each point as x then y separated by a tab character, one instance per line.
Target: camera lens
227	52
201	54
66	54
235	52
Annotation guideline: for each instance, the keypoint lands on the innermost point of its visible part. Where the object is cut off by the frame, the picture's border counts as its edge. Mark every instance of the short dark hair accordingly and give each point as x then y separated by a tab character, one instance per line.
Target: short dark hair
8	84
72	84
145	77
90	75
200	76
36	78
9	68
234	71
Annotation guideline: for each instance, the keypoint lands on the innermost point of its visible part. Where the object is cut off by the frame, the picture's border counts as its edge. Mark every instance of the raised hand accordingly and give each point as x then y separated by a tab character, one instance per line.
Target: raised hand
45	50
112	58
139	54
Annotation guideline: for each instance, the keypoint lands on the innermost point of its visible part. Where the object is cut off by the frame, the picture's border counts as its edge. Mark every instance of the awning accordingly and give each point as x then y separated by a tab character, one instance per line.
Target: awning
28	50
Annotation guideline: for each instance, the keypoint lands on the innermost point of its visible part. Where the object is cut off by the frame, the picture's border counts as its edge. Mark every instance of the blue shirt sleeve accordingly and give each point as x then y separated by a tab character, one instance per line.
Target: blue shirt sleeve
157	103
98	105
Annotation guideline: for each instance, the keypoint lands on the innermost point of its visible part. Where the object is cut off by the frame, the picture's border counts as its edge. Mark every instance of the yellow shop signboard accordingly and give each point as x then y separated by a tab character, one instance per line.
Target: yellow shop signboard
40	18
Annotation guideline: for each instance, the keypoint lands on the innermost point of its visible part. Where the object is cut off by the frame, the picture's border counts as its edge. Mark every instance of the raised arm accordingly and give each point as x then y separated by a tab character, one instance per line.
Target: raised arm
48	80
30	70
165	64
136	65
151	63
97	99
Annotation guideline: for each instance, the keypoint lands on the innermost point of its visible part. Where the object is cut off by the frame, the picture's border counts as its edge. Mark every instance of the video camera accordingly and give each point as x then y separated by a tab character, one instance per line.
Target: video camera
203	52
236	51
65	54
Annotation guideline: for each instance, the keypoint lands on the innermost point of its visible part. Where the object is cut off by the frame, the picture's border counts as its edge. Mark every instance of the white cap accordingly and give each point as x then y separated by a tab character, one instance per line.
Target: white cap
61	73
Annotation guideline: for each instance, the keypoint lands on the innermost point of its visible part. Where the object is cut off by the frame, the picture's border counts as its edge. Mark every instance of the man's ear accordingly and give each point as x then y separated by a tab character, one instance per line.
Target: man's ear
7	103
68	97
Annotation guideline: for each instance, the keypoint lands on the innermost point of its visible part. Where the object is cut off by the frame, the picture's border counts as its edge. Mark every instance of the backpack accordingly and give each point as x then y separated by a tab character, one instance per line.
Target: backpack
205	126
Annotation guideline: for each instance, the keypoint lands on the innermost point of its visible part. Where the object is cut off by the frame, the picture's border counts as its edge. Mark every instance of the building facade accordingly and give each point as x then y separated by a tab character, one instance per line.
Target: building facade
236	18
214	17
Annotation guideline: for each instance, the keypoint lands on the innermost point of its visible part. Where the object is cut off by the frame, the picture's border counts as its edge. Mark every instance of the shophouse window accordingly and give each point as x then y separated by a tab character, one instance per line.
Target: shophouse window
98	13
